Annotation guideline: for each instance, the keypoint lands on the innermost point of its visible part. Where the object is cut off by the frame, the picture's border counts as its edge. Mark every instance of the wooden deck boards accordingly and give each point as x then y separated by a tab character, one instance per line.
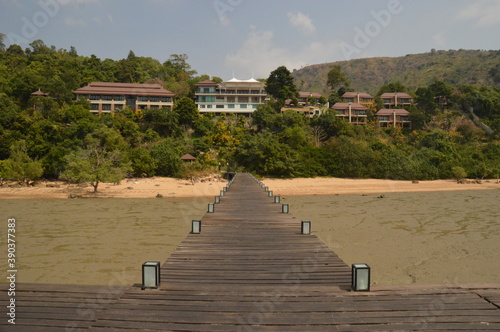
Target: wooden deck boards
250	269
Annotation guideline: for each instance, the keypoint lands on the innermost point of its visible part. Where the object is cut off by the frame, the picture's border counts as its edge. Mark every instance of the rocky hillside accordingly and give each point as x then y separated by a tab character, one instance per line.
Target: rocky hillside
413	70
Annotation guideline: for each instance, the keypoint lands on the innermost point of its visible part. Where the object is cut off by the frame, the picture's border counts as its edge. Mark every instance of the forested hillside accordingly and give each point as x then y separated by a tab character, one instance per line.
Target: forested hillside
462	67
56	137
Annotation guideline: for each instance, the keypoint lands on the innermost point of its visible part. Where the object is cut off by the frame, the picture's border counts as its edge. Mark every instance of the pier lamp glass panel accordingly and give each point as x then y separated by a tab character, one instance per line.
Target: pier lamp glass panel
277	199
217	199
210	208
196	226
306	227
285	208
360	277
150	275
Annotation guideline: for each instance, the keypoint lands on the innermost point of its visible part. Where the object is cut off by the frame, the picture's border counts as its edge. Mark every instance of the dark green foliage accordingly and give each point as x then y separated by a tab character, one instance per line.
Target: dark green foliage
59	131
186	111
280	85
167	156
336	78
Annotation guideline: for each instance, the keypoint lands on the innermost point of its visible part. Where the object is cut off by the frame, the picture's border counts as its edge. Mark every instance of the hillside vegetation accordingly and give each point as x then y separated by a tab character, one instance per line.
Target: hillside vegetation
57	137
462	67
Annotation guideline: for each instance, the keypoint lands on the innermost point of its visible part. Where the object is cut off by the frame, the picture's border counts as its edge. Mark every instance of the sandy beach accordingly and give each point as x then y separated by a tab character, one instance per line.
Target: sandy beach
169	187
431	232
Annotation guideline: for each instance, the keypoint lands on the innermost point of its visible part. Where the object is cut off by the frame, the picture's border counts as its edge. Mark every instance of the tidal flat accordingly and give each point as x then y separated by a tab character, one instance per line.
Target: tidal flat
420	237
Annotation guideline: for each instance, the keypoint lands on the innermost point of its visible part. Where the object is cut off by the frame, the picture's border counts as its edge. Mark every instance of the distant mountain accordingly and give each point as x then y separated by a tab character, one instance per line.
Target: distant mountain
413	70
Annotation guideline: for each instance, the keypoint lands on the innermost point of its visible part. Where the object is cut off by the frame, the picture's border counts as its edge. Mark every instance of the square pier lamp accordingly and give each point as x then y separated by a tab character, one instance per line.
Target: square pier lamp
150	275
266	189
270	193
217	199
360	277
277	199
222	193
210	208
196	227
306	227
284	208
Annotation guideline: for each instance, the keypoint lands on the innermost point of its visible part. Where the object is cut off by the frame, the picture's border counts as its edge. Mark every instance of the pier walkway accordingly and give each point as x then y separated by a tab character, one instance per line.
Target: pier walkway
251	269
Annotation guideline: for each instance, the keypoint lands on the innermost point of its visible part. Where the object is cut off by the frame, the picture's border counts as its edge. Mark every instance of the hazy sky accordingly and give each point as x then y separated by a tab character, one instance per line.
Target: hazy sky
253	36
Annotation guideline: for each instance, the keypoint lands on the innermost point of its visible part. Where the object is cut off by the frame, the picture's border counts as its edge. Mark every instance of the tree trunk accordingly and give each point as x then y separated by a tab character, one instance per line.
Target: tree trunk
95	184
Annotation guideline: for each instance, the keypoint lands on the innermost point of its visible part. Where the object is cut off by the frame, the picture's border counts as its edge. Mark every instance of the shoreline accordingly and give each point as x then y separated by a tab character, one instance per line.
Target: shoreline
171	187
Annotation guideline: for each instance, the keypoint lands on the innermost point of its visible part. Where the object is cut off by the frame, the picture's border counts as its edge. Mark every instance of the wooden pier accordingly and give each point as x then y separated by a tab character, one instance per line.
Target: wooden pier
251	269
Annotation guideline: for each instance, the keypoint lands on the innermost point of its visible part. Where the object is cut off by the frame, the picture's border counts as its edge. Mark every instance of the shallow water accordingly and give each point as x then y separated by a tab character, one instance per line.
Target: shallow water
426	238
95	241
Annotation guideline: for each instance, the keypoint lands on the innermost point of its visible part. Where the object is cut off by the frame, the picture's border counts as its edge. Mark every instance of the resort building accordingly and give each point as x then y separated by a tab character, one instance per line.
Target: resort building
354	113
107	97
233	96
396	99
305	96
396	117
304	104
308	111
357	97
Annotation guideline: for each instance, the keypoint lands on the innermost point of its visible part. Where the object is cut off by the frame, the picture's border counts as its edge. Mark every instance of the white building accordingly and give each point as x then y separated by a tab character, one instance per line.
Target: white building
233	96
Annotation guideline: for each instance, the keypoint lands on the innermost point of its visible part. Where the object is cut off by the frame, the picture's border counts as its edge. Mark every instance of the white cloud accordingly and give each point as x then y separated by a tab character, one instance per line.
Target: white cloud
259	54
485	12
73	22
302	22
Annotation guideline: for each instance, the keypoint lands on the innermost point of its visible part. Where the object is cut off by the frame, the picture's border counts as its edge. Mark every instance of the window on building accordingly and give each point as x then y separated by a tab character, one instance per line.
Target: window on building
360	112
349	100
209	106
202	106
230	106
94	107
95	97
118	107
387	101
404	118
219	106
243	106
383	118
106	107
255	106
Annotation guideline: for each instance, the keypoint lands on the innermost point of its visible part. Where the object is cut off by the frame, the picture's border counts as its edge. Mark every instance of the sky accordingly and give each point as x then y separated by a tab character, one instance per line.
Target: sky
250	38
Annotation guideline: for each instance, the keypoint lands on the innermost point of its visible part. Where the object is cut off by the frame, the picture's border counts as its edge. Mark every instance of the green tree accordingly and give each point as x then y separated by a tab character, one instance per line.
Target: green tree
280	85
391	87
459	173
167	155
264	117
143	164
336	78
187	111
163	121
100	159
19	166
